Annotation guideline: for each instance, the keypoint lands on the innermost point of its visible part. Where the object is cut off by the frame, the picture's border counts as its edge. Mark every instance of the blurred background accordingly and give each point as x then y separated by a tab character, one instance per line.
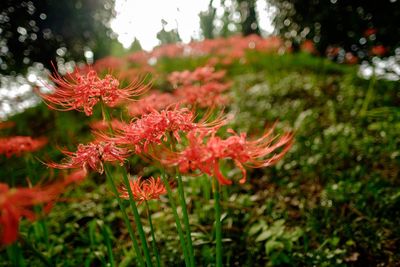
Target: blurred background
36	34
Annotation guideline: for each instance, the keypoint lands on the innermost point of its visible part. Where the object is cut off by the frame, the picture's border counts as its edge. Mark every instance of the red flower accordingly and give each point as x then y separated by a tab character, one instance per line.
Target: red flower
378	50
205	154
370	31
17	145
104	125
201	75
16	203
108	63
82	92
154	127
143	190
350	58
308	47
76	176
92	156
207	95
154	101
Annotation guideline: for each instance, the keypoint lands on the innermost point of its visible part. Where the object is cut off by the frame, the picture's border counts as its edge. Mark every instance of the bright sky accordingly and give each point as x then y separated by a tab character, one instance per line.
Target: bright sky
142	19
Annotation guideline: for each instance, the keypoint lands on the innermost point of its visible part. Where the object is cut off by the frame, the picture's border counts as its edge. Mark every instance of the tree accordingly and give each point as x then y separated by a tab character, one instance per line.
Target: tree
43	30
168	37
248	17
207	21
363	28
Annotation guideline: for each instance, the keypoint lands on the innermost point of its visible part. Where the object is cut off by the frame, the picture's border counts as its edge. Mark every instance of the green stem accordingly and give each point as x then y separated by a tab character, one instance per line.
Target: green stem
177	221
186	219
369	95
125	217
218	227
153	238
108	244
136	216
15	255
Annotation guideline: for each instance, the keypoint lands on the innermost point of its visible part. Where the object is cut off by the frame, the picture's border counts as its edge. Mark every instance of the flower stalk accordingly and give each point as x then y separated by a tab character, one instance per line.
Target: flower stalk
136	216
153	238
218	226
185	219
125	217
177	221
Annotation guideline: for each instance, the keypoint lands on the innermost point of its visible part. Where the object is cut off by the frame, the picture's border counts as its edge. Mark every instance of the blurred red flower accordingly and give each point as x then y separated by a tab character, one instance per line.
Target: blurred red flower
154	101
201	74
206	95
308	47
370	31
378	50
16	203
17	145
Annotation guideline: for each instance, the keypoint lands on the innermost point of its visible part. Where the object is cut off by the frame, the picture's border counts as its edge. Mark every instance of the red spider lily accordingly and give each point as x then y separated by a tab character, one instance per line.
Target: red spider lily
205	154
308	47
153	101
17	145
154	127
370	31
83	91
207	95
332	51
201	74
92	156
143	190
378	50
108	63
76	176
350	58
16	203
104	125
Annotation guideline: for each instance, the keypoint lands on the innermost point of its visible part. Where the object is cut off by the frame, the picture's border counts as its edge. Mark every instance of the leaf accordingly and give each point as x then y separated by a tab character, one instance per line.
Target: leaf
334	241
273	245
257	227
264	236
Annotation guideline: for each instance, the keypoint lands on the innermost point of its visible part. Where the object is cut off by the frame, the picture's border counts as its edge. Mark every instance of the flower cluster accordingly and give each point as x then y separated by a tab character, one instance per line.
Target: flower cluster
82	92
200	75
203	87
223	50
205	154
157	126
92	156
103	125
143	190
18	145
154	101
205	95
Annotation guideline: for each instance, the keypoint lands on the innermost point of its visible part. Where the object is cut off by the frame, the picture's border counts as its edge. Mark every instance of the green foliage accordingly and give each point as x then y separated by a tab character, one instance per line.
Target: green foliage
277	239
